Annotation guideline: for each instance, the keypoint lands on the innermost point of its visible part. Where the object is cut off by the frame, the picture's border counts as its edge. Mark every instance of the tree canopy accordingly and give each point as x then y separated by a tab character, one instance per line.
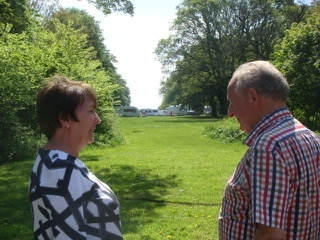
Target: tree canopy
45	8
210	39
108	6
298	56
15	15
81	20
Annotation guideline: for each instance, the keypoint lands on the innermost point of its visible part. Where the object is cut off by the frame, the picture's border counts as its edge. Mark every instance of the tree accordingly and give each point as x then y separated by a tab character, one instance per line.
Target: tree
211	38
298	56
44	8
29	58
107	6
191	83
29	54
15	15
20	73
196	39
81	20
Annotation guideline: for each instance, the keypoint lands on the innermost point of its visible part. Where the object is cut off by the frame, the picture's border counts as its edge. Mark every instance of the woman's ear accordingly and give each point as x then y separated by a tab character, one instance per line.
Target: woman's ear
64	121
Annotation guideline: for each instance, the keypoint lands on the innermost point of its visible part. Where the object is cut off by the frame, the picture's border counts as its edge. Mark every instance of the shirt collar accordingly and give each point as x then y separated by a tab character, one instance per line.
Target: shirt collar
265	123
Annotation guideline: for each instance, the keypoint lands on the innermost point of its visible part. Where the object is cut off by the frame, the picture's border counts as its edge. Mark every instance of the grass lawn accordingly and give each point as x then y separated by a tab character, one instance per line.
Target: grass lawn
168	175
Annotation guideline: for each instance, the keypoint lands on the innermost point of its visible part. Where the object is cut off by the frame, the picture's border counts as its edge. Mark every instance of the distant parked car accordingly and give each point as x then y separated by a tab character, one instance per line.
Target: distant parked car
162	112
191	112
176	111
149	112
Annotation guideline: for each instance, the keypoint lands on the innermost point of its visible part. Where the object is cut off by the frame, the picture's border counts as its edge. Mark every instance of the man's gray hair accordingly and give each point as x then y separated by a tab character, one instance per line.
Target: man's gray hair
262	76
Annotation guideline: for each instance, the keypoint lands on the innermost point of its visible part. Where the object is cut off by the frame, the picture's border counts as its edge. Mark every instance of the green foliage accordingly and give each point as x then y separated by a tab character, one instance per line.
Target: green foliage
80	21
20	73
45	8
108	131
298	57
15	15
107	6
210	39
26	60
225	135
230	132
29	54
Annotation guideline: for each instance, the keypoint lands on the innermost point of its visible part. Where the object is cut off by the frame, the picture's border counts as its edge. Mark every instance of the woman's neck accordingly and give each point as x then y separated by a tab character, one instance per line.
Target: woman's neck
54	144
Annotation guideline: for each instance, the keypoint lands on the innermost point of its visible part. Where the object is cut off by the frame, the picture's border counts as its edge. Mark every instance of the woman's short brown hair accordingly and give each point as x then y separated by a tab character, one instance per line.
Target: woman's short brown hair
58	99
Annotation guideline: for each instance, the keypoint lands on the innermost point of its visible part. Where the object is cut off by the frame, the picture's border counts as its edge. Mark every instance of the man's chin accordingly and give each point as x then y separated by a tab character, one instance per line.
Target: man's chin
242	128
90	141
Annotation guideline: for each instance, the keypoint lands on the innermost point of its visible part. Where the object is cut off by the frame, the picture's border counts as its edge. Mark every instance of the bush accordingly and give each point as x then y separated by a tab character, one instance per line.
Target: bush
108	132
227	132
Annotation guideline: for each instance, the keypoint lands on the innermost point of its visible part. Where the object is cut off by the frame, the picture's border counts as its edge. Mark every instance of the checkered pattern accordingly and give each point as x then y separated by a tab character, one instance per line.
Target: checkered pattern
69	202
277	182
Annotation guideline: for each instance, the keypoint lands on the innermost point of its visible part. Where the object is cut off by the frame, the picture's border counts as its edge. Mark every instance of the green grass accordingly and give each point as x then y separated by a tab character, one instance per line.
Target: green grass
169	177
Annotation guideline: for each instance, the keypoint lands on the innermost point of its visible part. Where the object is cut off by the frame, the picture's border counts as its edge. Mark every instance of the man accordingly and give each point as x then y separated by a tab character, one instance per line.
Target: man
274	192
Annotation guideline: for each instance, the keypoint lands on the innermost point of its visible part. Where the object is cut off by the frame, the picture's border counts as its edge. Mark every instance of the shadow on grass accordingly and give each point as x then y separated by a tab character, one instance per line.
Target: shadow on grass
15	214
140	192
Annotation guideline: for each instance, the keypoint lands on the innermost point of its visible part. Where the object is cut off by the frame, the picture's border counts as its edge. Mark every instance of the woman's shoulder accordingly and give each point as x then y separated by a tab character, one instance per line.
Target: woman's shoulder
58	158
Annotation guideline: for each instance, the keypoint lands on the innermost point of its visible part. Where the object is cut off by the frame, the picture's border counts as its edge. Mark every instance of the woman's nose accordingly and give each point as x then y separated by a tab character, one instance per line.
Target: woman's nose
97	118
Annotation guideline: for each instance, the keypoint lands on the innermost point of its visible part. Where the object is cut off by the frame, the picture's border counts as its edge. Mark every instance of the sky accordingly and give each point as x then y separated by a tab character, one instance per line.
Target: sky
132	40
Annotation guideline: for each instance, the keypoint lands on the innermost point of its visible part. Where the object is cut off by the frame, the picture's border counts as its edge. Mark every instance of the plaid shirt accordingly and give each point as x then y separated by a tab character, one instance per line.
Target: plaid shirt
277	182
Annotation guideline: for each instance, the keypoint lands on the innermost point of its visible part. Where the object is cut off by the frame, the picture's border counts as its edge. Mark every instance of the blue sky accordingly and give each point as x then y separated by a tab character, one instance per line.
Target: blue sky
133	40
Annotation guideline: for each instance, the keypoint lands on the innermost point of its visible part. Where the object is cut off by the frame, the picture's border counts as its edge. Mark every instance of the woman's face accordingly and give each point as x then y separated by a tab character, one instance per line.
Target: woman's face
88	119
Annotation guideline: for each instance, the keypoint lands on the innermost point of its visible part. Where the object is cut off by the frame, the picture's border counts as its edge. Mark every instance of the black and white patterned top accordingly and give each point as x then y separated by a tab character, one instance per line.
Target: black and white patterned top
69	202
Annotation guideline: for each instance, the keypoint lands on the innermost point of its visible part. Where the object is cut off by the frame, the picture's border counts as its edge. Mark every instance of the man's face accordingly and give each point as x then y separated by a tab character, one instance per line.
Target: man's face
241	107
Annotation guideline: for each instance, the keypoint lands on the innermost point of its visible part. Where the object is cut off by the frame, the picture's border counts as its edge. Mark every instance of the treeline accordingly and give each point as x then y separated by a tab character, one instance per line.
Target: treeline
39	39
210	39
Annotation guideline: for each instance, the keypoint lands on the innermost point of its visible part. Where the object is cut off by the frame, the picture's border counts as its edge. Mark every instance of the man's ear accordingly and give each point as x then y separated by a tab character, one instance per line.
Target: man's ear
253	95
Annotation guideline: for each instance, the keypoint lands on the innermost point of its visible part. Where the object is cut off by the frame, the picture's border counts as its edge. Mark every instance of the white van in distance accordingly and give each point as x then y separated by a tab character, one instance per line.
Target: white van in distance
149	112
176	110
128	111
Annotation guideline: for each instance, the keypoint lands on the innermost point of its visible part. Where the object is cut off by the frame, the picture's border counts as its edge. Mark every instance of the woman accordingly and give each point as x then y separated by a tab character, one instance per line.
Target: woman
67	200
